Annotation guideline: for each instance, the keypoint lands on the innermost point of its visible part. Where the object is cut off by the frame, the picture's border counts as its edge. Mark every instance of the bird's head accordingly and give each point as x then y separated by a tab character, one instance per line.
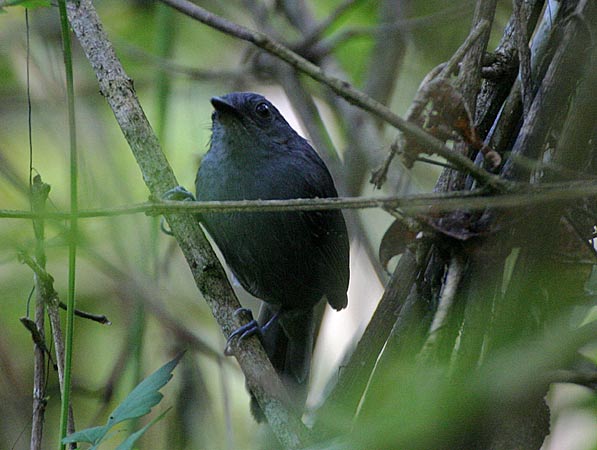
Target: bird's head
245	119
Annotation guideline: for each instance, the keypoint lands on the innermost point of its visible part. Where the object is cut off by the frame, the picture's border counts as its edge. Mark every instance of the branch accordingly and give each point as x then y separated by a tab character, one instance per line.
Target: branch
347	393
444	70
39	195
524	54
446	300
503	69
340	87
525	195
470	72
557	87
45	290
45	287
208	273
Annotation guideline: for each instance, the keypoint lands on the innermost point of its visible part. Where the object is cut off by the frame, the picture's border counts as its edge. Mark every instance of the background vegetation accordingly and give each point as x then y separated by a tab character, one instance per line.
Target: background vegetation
520	306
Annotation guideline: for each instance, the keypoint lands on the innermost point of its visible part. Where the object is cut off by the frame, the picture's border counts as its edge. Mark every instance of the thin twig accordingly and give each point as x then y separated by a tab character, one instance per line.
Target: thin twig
40	343
46	286
441	202
58	339
51	296
433	162
100	318
450	67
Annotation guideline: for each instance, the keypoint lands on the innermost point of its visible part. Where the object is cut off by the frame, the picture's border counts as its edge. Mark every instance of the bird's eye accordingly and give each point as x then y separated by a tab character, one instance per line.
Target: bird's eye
263	110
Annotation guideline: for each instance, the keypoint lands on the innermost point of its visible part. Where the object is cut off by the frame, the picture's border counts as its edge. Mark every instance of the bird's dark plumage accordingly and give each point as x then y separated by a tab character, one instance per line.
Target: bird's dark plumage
290	260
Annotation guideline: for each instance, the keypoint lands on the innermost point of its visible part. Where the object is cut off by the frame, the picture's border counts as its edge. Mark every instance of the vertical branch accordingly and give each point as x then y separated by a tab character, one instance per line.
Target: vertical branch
45	286
524	54
557	86
503	133
39	195
502	72
59	347
469	84
469	79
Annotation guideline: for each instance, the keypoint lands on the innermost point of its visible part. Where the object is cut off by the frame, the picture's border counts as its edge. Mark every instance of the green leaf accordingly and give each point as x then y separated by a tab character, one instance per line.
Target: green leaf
128	443
138	403
145	396
92	435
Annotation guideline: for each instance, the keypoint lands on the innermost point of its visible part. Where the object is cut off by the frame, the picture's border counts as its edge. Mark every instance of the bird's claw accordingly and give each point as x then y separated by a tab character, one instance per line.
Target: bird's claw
243	332
248	329
176	193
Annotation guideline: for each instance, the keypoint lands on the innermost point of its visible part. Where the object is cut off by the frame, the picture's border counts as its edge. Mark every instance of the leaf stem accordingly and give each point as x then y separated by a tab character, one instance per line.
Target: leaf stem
67	425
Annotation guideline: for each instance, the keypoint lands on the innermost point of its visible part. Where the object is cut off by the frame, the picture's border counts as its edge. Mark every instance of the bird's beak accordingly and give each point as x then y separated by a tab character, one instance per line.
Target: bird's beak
222	105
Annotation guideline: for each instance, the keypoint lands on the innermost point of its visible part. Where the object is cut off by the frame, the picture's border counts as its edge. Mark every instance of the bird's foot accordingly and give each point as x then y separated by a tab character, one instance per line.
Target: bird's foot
178	193
243	332
247	330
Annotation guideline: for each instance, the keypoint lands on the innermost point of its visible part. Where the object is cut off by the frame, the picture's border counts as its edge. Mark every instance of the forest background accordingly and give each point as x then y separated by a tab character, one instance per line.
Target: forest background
520	278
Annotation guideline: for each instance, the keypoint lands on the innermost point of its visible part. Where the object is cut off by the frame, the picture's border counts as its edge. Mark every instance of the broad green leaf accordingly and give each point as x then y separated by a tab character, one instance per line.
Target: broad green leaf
145	396
138	403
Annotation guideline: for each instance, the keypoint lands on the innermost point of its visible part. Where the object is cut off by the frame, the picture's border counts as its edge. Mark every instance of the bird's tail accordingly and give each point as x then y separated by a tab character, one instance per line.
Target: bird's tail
288	342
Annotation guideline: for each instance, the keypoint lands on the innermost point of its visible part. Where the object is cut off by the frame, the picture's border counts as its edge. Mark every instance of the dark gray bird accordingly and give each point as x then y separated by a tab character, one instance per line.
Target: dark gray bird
290	260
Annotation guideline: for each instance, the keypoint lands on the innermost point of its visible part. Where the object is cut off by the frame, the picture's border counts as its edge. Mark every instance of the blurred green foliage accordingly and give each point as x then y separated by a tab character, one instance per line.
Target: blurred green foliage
410	405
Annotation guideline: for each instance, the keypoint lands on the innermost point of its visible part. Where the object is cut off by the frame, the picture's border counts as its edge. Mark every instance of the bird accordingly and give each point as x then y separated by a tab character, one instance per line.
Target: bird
290	260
